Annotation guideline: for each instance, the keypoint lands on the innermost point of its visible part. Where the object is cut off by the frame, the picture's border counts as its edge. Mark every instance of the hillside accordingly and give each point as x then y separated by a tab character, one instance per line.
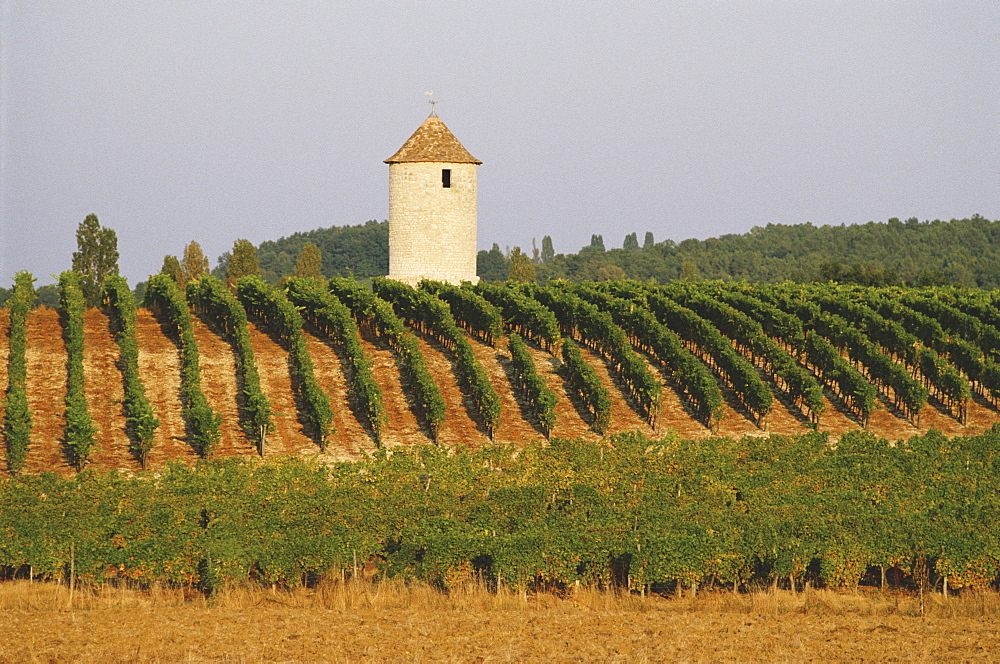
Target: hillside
960	251
160	372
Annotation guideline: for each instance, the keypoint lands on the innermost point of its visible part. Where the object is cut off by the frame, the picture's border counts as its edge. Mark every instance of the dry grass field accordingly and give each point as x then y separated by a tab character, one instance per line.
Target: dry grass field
395	622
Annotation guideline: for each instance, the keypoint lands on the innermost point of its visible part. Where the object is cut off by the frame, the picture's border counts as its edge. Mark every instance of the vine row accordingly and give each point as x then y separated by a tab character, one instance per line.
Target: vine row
523	315
375	315
212	298
329	315
472	311
140	422
79	428
583	321
17	419
432	316
167	301
271	306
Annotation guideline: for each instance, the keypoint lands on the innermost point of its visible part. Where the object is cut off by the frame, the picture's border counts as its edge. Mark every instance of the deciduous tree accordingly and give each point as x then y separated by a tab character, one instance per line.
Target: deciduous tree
547	251
309	262
96	257
195	263
243	262
521	267
172	268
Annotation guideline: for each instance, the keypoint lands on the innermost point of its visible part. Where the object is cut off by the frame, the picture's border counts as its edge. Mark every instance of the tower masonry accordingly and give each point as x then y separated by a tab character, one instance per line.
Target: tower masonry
432	207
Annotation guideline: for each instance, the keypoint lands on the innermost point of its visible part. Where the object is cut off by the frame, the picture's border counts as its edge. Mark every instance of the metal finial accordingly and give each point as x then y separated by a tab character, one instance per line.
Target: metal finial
430	93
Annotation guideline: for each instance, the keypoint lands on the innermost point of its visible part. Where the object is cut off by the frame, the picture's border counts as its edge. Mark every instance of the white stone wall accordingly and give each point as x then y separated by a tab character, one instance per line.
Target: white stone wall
432	229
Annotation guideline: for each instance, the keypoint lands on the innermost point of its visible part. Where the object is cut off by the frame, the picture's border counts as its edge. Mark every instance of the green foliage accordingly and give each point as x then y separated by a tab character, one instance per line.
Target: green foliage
96	257
243	262
79	429
309	263
375	315
523	315
329	315
140	422
167	301
595	328
360	251
492	265
17	416
272	306
921	253
172	268
432	316
471	310
548	253
649	335
751	340
520	267
625	511
705	340
582	379
537	394
213	298
193	265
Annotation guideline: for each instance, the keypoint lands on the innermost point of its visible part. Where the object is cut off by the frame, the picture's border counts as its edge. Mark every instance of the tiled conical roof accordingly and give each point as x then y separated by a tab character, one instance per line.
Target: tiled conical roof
433	141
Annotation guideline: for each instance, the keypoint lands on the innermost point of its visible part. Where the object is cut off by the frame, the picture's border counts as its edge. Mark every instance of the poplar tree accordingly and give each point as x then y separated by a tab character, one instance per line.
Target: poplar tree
96	258
548	253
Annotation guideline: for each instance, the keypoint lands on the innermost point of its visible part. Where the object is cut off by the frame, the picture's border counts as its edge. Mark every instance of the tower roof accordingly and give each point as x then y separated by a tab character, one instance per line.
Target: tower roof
433	141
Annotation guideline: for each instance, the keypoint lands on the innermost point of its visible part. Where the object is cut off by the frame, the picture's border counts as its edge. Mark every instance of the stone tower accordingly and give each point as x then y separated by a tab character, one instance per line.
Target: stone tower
432	207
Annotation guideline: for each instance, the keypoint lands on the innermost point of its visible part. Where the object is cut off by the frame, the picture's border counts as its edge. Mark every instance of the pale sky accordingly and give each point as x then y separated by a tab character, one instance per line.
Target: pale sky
212	121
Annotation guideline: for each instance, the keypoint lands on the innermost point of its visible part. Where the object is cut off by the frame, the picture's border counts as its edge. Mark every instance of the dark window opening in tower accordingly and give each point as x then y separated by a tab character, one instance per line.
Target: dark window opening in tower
446	178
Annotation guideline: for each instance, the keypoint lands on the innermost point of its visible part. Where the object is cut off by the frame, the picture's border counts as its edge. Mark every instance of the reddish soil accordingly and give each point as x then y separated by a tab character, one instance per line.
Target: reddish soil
517	425
402	426
159	370
218	382
102	381
350	435
459	428
46	360
289	434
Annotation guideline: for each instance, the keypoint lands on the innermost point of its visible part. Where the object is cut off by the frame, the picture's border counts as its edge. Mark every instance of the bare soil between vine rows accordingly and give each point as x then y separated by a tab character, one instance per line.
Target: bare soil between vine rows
160	371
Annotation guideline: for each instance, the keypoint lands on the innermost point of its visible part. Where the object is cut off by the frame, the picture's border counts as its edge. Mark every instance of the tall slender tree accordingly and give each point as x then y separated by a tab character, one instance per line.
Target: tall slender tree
548	253
96	257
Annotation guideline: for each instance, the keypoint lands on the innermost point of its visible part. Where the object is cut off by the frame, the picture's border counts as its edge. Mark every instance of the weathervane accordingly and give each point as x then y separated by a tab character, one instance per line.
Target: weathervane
430	93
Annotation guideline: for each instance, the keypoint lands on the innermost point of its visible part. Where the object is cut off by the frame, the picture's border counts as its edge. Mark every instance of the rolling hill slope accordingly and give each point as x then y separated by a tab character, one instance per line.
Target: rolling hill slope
159	367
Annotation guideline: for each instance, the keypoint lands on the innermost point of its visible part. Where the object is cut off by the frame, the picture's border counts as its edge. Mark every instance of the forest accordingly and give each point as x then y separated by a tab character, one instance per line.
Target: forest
922	253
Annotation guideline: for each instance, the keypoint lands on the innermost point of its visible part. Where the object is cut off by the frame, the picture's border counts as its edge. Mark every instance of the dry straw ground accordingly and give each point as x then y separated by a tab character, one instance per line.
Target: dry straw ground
395	622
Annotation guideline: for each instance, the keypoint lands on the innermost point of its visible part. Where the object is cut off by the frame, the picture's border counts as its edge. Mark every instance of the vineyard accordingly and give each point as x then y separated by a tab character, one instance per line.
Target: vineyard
338	370
617	433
